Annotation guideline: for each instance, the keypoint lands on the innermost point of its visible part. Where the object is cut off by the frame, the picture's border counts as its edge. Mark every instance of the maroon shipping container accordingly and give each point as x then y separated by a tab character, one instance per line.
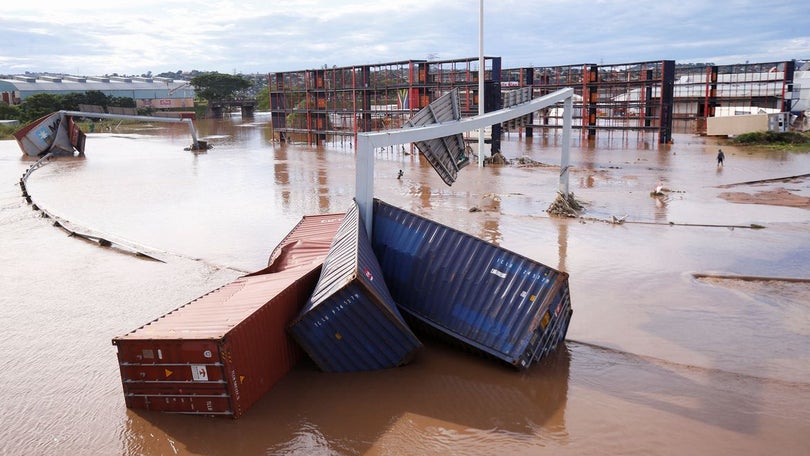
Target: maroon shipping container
220	353
307	242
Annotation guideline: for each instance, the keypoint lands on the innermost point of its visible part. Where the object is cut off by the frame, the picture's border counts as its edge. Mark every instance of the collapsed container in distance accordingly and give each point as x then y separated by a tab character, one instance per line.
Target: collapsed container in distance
351	323
218	354
486	297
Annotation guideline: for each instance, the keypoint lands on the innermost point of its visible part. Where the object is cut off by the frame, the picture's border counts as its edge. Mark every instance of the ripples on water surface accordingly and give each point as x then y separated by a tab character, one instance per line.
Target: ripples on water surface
658	363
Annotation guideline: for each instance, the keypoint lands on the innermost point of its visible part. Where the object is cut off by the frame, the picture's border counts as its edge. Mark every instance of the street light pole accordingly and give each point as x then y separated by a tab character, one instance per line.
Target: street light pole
481	80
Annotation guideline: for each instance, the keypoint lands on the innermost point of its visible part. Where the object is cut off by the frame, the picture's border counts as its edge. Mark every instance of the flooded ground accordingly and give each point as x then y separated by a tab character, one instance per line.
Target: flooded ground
658	361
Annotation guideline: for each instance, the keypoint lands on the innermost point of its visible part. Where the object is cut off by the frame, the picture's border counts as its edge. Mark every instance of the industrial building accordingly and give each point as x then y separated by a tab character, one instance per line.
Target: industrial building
654	97
337	103
148	92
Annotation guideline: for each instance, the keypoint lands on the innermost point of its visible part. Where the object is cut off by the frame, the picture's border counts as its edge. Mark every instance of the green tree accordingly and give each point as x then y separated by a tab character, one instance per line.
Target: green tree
218	86
96	97
8	112
263	99
36	106
71	101
122	102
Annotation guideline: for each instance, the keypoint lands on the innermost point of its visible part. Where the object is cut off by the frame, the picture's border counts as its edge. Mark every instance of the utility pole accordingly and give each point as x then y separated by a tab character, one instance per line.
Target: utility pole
481	80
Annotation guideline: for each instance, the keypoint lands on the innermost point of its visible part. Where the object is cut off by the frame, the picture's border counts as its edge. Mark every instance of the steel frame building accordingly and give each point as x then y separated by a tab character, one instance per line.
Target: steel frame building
312	105
648	97
702	91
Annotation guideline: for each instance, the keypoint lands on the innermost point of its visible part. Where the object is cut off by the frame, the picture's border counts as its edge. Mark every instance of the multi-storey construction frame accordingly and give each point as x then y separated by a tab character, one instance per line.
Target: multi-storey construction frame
313	105
329	103
631	96
703	91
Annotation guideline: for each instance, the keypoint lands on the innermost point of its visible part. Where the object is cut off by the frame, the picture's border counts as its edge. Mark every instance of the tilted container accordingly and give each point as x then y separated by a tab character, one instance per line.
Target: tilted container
307	242
481	295
218	354
351	323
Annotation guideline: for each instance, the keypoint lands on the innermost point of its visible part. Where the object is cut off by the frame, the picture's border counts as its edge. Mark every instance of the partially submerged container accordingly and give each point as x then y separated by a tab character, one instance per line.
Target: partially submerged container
351	323
307	242
218	354
481	295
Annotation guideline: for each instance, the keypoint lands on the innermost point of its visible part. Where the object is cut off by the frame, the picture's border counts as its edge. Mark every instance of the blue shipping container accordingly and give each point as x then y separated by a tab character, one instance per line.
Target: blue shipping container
351	323
484	296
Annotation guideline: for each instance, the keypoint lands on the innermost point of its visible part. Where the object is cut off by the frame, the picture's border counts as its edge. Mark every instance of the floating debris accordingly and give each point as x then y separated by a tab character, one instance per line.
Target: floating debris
565	206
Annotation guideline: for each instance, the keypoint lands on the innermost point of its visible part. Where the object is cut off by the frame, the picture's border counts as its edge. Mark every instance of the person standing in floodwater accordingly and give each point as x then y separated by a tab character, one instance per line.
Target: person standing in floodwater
720	157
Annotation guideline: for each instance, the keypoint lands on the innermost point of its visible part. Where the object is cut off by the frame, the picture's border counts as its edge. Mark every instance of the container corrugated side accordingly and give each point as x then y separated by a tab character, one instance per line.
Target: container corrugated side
308	241
447	154
486	297
218	354
351	323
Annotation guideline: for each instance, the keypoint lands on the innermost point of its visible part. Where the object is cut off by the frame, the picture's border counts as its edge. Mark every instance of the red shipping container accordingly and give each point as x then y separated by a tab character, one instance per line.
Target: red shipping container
218	354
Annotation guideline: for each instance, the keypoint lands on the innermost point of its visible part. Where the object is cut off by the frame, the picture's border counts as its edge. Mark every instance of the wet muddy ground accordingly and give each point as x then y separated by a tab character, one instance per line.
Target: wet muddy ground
668	352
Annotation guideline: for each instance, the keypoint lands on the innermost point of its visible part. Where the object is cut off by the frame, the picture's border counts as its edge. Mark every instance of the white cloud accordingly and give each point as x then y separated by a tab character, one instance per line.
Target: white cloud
95	37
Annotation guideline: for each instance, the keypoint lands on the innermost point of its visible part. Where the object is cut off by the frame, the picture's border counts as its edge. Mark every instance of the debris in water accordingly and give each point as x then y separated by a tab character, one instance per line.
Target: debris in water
565	206
496	159
618	220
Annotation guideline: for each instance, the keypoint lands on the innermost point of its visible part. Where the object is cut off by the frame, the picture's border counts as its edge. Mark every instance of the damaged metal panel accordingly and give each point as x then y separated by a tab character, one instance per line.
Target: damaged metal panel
308	242
351	323
447	154
55	133
481	295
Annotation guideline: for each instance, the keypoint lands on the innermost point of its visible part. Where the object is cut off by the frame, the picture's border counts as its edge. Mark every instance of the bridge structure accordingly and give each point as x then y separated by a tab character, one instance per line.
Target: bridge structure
217	108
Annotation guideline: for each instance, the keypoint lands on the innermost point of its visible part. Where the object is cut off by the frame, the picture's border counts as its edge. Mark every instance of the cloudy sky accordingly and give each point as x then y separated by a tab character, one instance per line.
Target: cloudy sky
91	37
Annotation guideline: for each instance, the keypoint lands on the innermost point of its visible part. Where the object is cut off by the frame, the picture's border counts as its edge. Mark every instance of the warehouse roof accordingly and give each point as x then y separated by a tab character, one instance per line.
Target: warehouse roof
29	84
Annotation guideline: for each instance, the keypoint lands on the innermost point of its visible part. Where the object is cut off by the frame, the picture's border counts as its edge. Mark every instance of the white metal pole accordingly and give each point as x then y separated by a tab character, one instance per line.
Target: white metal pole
364	181
481	80
565	154
367	142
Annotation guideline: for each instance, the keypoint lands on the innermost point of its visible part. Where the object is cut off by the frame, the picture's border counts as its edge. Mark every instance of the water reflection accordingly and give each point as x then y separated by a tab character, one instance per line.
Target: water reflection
562	244
700	367
713	397
408	410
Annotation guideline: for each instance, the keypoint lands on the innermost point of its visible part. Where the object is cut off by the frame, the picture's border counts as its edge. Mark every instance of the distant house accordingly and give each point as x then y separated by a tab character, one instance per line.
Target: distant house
153	92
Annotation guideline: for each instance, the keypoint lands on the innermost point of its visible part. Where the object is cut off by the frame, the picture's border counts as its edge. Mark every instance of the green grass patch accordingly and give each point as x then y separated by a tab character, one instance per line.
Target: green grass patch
6	131
788	140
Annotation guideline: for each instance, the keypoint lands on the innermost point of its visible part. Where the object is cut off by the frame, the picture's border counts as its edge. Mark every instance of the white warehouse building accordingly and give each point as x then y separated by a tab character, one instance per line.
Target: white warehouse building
148	92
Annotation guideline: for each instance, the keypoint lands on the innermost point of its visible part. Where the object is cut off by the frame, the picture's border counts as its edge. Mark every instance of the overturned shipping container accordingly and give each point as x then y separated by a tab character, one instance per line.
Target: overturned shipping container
351	323
220	353
486	297
308	242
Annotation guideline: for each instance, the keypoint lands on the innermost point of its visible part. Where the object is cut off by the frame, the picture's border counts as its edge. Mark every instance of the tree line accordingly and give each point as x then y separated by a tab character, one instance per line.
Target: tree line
41	104
207	86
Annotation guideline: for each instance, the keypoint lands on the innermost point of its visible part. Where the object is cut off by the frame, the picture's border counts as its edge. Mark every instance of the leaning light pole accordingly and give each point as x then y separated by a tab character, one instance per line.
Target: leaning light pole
367	142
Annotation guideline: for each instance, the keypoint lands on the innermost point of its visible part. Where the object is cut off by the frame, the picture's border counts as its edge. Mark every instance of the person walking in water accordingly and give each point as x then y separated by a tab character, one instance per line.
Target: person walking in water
720	157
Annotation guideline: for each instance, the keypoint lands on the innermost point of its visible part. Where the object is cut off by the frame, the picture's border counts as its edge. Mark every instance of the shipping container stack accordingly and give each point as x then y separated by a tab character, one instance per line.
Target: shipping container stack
346	300
218	354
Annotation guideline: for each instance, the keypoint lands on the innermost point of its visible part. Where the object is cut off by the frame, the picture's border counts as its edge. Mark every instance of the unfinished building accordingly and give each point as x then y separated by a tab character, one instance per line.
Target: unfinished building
653	97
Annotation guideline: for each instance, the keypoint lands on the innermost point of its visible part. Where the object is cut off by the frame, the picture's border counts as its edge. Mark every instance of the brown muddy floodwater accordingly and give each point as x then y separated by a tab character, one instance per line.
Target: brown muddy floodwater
657	360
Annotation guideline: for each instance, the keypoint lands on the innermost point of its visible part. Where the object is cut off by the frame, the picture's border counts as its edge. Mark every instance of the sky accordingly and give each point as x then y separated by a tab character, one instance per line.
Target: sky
92	38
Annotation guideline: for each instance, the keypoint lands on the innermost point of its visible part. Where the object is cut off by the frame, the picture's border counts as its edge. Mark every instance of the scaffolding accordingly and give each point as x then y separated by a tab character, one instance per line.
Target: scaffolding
632	96
703	91
315	106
